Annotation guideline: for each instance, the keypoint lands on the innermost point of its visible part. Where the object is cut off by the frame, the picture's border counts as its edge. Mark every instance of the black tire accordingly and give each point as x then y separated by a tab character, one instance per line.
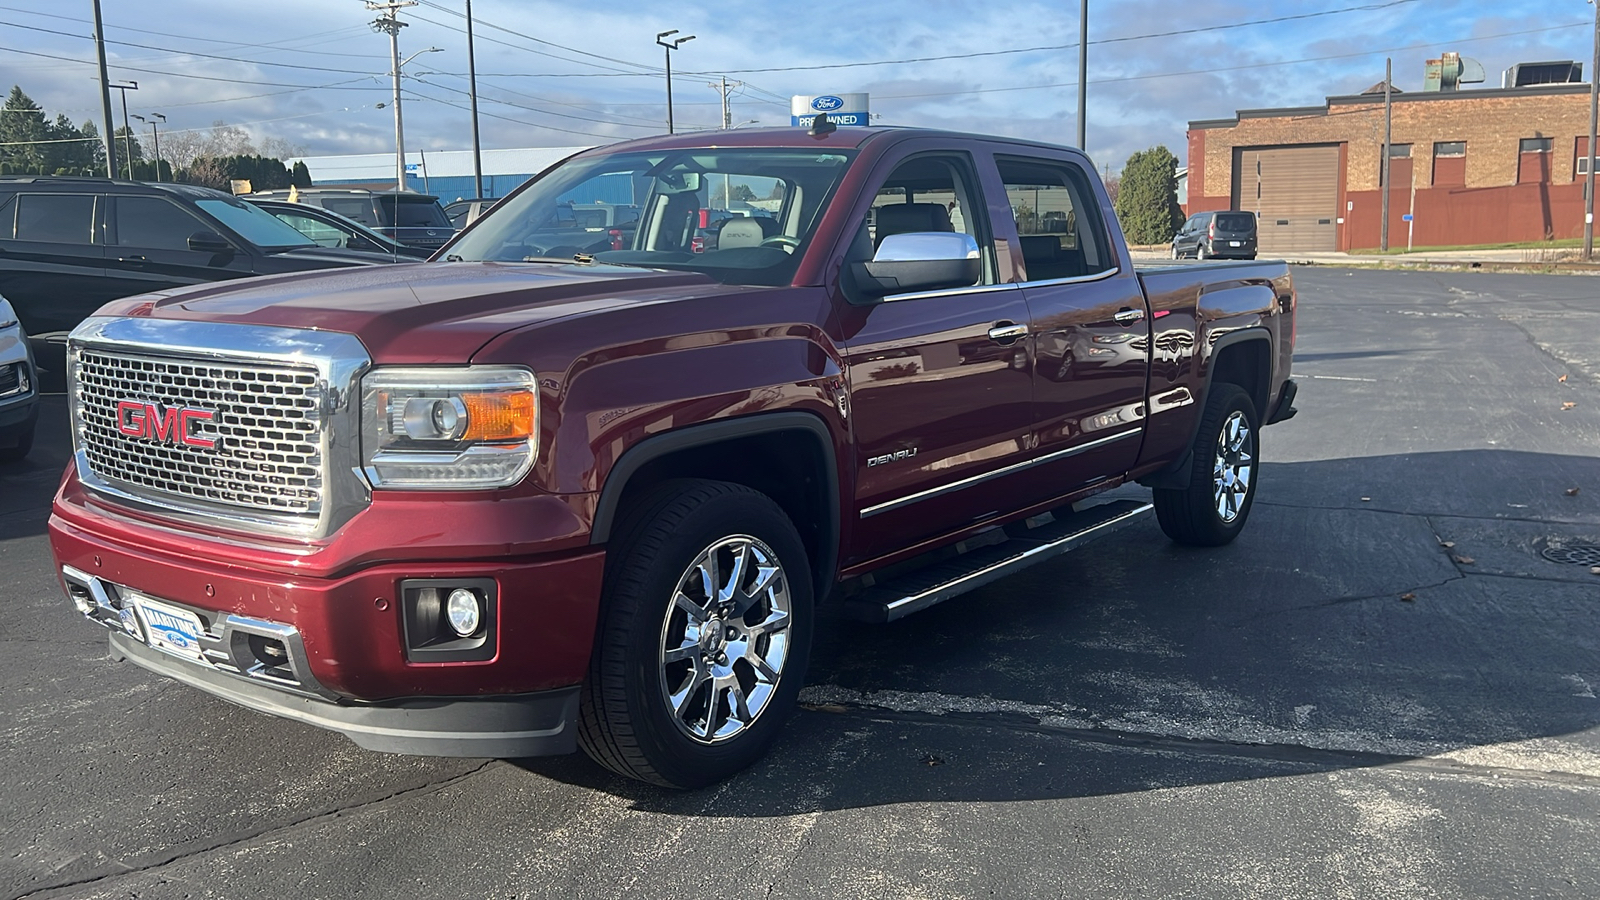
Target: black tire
1200	250
1197	514
628	721
19	439
1175	253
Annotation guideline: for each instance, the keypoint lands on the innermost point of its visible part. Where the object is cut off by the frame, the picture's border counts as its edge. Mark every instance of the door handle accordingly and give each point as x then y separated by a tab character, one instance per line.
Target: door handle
132	260
1128	316
1007	332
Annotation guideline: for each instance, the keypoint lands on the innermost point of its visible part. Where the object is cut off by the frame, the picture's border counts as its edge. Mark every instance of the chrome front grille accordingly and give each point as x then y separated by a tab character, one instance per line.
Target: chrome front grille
265	427
250	428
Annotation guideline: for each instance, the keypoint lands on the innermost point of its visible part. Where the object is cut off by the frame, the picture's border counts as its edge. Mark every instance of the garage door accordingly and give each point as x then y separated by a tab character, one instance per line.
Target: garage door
1294	192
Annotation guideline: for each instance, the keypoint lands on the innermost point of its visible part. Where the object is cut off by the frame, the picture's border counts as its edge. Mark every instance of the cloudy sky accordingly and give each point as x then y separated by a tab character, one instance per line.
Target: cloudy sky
570	74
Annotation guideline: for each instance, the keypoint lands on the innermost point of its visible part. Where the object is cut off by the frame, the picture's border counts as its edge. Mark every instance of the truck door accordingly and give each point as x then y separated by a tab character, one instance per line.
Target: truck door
150	247
1091	323
939	381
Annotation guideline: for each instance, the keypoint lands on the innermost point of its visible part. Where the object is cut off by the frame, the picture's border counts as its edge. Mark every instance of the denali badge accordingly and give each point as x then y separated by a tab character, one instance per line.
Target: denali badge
891	457
173	425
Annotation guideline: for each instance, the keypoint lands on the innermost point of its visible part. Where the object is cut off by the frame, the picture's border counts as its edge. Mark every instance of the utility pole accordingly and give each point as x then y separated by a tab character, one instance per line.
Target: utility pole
155	136
105	95
1594	115
1388	134
127	130
724	88
1083	75
390	24
472	84
671	45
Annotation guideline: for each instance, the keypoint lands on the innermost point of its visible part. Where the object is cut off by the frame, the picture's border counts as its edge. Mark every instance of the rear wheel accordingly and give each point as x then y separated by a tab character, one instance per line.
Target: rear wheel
1212	510
1200	250
704	639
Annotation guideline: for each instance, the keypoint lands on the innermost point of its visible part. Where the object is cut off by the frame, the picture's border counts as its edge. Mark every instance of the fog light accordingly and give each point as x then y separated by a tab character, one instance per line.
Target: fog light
464	611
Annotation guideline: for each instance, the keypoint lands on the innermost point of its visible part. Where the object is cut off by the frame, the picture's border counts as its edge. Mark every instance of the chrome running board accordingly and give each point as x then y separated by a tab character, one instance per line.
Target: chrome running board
941	581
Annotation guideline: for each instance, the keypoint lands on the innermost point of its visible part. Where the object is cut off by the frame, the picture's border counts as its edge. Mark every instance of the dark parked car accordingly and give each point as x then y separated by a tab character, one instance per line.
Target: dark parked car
70	245
329	229
416	220
18	388
1226	234
462	212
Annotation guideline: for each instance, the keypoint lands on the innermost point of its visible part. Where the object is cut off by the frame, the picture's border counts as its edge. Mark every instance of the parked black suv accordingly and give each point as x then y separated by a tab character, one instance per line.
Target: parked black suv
1222	234
70	245
416	220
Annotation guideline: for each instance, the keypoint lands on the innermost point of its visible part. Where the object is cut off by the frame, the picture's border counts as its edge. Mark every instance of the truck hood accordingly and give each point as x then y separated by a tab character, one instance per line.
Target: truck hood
422	314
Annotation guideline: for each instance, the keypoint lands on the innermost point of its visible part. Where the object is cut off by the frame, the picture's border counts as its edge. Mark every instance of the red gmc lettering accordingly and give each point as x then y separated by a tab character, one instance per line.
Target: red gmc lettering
169	426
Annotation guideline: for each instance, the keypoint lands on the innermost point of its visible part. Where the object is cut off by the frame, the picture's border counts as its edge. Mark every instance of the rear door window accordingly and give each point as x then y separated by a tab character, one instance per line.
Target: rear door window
1058	218
1235	222
358	208
56	218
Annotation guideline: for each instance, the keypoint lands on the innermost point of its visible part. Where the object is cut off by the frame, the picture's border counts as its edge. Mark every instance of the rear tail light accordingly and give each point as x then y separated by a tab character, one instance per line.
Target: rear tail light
1211	230
697	245
705	218
616	238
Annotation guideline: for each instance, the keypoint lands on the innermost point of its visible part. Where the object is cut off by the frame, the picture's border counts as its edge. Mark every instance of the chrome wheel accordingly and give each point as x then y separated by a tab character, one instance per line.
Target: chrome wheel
725	639
1234	466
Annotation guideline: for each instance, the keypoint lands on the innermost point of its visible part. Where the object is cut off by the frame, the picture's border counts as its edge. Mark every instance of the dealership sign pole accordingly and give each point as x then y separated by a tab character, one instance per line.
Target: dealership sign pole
1594	114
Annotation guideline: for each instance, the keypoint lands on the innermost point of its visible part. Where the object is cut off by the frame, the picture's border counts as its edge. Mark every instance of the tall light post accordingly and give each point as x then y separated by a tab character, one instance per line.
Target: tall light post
155	136
390	24
671	45
127	130
472	86
105	95
1594	115
1083	75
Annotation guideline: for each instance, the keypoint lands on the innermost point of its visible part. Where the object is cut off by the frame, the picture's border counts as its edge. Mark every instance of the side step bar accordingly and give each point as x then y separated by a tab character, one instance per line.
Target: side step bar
937	583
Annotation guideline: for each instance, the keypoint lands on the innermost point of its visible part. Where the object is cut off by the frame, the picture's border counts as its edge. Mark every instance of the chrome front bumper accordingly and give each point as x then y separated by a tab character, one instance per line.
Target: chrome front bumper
506	726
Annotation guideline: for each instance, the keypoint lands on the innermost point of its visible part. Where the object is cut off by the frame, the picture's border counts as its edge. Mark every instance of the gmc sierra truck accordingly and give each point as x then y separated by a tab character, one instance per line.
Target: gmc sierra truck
563	487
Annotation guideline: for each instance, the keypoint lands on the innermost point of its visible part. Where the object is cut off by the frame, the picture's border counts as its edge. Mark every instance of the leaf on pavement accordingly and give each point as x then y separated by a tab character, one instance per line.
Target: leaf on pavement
1572	492
1568	405
1562	378
1447	544
1464	560
1408	597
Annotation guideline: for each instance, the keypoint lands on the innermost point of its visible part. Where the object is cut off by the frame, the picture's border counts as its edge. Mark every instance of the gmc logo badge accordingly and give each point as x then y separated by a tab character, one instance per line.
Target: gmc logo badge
174	425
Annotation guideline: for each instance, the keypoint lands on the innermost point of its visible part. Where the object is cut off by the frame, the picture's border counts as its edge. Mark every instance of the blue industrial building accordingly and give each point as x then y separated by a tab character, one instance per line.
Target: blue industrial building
447	174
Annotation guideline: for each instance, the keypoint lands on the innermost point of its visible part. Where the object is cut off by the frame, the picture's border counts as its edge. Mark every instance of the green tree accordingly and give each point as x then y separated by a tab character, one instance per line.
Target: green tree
23	129
301	176
127	148
1147	199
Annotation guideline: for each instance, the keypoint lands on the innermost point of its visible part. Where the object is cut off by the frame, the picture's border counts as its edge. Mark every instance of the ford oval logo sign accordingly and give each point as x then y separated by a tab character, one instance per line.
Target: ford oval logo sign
827	104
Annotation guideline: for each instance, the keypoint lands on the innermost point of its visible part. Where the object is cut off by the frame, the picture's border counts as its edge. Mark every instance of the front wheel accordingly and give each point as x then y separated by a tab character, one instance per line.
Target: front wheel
705	633
1212	510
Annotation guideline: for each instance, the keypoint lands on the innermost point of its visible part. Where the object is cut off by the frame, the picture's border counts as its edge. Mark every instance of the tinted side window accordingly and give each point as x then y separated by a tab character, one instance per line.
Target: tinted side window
931	193
358	208
1058	219
414	213
324	234
55	218
155	223
1236	222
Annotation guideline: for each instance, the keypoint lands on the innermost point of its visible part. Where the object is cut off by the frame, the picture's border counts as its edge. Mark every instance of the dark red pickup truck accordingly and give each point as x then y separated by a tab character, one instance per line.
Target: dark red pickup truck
569	485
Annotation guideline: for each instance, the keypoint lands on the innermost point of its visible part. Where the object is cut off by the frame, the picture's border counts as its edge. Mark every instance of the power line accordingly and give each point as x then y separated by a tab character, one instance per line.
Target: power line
444	87
180	74
1238	68
527	37
324	36
419	96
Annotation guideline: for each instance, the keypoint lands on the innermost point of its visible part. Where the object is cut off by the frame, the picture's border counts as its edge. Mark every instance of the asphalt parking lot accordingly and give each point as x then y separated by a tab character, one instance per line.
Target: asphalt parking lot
1385	688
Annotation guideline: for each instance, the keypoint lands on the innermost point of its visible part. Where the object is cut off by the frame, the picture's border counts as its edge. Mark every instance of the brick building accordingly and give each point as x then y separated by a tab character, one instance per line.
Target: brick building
1471	167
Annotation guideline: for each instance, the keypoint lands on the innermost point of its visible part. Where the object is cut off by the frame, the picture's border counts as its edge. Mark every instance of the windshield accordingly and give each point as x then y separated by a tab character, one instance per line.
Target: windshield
254	224
418	212
740	215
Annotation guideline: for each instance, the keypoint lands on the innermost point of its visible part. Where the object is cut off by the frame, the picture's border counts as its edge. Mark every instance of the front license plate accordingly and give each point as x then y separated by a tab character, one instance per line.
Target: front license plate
1235	243
177	631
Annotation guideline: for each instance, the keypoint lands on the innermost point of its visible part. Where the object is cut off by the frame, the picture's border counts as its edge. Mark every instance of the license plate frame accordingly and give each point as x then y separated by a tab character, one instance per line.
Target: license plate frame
171	629
1236	243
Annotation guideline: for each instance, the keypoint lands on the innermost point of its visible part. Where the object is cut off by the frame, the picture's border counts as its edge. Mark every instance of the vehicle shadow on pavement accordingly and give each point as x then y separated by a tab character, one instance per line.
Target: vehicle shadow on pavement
26	487
1376	610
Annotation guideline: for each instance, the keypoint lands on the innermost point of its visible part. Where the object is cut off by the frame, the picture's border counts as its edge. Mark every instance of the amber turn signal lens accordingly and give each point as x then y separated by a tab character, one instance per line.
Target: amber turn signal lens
499	416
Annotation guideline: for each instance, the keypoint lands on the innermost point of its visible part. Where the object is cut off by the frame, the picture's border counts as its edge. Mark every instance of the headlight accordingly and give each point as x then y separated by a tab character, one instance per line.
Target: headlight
448	429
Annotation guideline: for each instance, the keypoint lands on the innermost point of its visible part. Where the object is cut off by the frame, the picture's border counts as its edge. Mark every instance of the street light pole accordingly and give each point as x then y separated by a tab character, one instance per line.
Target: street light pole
1388	134
155	136
105	95
1594	115
670	46
472	85
390	24
127	130
1083	74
